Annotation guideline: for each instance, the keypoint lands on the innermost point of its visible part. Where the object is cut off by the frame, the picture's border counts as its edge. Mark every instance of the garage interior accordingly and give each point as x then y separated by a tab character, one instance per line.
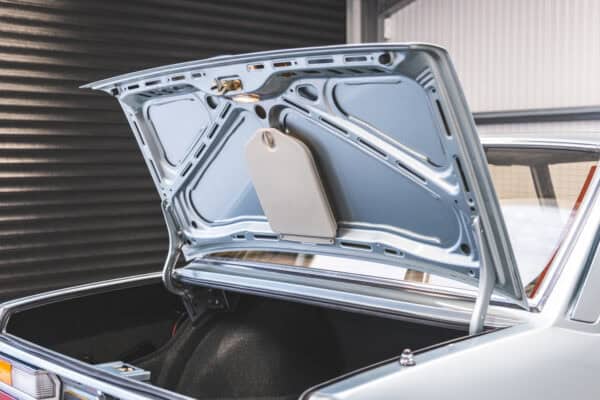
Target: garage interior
77	204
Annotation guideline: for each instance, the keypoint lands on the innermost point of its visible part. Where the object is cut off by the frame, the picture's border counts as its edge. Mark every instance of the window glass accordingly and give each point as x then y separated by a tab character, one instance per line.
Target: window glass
539	191
513	182
568	181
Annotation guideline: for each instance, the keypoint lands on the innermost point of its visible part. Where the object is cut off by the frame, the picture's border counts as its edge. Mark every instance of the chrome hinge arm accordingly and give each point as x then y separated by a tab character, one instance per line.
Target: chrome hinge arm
487	281
195	301
174	251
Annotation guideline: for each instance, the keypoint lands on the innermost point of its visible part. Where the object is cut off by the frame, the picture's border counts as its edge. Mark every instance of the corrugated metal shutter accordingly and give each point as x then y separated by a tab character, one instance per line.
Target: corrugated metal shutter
513	54
77	203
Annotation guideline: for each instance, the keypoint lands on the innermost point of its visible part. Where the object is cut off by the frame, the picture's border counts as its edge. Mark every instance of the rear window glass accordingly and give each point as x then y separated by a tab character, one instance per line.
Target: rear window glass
539	191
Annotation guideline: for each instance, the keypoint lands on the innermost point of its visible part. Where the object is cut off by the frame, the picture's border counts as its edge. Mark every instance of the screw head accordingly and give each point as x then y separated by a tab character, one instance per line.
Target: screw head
268	139
407	359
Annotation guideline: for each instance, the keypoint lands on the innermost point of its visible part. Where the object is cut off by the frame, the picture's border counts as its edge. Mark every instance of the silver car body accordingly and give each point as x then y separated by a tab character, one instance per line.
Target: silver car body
545	347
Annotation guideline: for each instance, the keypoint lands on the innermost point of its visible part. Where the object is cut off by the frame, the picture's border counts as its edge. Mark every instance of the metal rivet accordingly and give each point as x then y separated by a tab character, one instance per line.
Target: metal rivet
406	359
268	139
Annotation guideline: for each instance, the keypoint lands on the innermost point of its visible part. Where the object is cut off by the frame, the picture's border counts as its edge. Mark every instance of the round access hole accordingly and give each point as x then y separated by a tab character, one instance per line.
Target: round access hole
385	58
260	111
465	248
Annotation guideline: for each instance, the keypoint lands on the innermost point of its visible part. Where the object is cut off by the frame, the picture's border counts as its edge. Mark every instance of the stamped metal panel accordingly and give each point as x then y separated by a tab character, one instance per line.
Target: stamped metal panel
387	126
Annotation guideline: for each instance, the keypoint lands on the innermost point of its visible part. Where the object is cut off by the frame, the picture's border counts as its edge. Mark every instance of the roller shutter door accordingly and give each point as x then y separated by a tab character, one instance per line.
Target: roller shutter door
76	201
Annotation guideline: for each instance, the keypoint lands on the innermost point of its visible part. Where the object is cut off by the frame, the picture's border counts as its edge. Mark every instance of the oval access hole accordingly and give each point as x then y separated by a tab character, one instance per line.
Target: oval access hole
309	92
265	237
355	245
260	111
320	60
355	58
280	64
212	102
393	252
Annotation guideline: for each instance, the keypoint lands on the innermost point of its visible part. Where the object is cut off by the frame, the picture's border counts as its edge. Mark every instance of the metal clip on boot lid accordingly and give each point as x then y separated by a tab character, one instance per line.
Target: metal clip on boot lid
367	152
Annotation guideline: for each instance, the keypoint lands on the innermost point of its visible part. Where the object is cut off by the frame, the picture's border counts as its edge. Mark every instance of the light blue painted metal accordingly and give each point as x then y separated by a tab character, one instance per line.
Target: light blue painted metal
387	125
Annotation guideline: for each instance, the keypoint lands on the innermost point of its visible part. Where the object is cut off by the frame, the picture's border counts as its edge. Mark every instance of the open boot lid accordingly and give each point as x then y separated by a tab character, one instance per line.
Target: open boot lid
366	152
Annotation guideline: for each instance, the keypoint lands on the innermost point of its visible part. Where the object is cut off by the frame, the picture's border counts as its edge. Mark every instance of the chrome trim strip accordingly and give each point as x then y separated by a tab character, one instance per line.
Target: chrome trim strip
401	303
425	289
562	114
498	140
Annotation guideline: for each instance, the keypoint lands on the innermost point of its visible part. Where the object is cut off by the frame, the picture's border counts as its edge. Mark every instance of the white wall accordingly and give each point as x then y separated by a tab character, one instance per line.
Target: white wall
512	54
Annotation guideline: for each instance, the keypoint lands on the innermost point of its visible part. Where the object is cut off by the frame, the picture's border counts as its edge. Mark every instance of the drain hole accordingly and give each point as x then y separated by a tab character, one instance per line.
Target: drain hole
260	111
309	92
194	224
